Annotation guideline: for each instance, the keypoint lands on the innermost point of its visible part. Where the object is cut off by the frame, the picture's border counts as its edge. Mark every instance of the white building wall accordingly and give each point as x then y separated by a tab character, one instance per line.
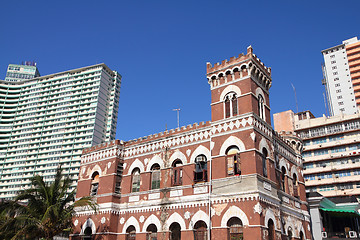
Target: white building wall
49	120
340	91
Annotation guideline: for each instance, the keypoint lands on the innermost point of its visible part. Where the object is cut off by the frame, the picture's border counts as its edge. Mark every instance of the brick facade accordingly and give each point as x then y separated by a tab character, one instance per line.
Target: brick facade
254	175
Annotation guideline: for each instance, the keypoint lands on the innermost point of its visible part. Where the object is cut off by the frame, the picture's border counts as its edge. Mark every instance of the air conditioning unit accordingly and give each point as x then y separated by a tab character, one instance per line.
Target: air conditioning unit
352	234
342	188
324	234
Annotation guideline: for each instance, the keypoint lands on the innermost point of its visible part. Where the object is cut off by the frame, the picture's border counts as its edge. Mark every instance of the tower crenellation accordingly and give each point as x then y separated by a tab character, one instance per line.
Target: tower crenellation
239	67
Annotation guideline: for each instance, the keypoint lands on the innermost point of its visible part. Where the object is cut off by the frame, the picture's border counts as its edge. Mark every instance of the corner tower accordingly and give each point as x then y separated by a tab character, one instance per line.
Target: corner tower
239	86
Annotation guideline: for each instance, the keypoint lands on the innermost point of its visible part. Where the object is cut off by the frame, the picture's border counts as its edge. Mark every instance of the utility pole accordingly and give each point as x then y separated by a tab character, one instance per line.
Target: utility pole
178	116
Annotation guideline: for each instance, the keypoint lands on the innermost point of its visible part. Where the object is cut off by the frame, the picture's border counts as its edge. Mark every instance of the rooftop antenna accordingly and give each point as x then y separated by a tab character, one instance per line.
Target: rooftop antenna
297	107
178	116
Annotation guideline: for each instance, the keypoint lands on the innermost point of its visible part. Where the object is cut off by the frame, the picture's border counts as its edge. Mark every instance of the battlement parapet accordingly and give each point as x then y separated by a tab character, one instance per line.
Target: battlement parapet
168	133
103	146
237	60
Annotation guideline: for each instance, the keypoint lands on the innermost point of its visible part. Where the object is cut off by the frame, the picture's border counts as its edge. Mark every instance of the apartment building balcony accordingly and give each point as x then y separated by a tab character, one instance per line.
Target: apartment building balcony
355	74
331	168
345	141
7	120
332	181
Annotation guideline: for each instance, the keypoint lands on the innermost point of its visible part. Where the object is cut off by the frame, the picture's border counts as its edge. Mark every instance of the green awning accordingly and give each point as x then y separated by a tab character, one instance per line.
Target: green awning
340	210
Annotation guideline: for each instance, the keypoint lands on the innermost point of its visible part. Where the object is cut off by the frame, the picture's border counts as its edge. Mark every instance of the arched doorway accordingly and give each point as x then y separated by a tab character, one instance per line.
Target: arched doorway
271	229
235	229
200	231
131	233
151	232
175	231
87	233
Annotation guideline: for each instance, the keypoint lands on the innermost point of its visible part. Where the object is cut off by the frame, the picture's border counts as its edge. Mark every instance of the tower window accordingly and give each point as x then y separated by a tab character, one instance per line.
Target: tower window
177	172
155	176
264	156
94	184
131	233
200	172
235	228
261	107
231	107
200	230
233	161
135	175
282	178
295	185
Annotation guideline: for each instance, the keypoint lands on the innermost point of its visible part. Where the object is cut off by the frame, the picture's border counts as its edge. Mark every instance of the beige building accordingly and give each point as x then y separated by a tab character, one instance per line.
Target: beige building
331	150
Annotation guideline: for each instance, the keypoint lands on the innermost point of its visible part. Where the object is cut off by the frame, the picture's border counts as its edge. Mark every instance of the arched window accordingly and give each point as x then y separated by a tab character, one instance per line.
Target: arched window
235	229
151	232
290	234
177	172
200	172
231	108
200	231
233	161
228	76
264	156
131	233
155	176
261	107
301	236
175	231
271	229
94	184
87	233
282	178
135	175
295	186
119	174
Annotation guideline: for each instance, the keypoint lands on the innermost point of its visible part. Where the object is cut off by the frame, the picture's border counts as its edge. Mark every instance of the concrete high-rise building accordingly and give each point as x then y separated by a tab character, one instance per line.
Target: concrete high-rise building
331	151
47	121
341	72
16	72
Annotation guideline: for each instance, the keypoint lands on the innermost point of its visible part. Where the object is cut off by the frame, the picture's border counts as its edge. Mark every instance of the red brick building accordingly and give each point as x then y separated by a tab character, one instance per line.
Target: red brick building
231	178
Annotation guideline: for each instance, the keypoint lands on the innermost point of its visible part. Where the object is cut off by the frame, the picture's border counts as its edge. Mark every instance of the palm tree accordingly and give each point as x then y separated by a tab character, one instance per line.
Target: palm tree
42	211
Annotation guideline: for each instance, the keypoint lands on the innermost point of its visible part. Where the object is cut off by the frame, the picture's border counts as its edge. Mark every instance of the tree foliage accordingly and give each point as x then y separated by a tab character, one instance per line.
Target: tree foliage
42	211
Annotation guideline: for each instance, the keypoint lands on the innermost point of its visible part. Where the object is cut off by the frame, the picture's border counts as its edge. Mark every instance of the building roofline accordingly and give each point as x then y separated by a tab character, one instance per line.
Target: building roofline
60	73
340	45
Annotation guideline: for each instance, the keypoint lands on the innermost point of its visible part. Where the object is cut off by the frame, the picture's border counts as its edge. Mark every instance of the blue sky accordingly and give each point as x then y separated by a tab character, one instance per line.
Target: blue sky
161	49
